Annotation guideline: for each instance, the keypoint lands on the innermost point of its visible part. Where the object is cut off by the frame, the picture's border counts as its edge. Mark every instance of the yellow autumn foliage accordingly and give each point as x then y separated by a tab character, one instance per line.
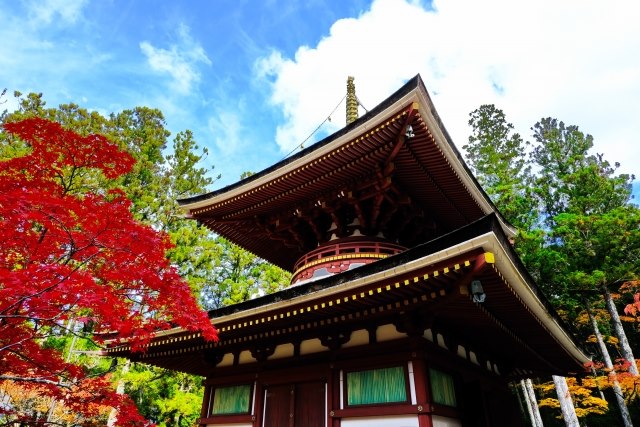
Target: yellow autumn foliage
30	402
609	339
549	403
584	401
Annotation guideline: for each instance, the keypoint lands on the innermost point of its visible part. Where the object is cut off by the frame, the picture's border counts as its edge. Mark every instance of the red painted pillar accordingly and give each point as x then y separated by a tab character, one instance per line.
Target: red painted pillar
423	392
204	412
258	404
333	395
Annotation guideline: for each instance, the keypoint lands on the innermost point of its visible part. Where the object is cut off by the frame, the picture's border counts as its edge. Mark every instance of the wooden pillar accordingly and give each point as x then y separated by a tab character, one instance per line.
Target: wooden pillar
333	395
204	412
423	390
259	403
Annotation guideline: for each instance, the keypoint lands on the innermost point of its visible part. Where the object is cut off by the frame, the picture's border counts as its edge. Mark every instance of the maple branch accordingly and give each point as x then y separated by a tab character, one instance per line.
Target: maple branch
47	289
34	380
59	374
39	365
72	243
50	322
16	343
45	320
31	422
67	187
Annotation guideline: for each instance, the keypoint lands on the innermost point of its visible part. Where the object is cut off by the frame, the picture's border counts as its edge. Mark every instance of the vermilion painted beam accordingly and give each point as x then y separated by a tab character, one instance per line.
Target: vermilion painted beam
377	410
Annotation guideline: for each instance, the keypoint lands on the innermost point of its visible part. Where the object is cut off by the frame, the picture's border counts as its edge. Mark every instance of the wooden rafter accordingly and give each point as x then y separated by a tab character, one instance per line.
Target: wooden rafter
401	138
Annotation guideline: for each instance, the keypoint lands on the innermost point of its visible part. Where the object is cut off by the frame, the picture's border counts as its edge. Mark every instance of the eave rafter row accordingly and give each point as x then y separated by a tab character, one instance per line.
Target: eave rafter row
338	152
524	306
304	185
430	178
513	335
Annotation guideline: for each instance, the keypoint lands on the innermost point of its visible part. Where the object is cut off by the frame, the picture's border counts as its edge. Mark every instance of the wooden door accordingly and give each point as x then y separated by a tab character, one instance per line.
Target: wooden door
310	404
295	405
278	404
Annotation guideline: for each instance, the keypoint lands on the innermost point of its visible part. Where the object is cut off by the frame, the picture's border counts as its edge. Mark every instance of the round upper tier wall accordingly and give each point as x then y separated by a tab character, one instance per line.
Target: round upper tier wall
340	255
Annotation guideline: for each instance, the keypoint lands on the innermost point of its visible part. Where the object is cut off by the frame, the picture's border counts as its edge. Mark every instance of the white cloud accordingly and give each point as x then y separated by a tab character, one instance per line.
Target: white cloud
227	130
575	60
45	11
180	61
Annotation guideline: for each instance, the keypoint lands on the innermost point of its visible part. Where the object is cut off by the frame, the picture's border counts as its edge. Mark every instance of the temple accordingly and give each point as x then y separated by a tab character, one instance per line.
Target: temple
408	306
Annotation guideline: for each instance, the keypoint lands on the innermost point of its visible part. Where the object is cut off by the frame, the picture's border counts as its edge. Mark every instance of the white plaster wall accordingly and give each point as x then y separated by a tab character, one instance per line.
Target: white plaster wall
282	351
428	334
246	357
311	346
439	421
227	360
389	421
359	337
388	333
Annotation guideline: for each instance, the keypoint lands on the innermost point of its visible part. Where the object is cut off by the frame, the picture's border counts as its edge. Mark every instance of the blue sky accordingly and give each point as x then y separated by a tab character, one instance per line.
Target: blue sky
252	79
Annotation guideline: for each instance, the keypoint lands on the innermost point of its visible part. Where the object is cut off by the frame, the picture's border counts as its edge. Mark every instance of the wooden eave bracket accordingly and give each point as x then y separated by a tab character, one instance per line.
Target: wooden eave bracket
401	138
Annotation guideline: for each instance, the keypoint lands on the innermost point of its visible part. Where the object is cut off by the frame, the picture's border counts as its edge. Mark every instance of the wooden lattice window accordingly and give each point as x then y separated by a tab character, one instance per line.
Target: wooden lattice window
231	400
443	389
375	386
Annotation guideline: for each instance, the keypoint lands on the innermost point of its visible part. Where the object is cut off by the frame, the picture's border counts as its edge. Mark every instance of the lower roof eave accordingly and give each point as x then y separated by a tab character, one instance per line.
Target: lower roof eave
490	242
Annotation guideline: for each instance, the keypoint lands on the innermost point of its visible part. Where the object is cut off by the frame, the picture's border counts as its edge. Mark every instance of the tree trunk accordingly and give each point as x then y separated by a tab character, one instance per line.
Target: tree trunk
71	327
566	403
597	381
624	411
627	353
113	415
527	401
532	403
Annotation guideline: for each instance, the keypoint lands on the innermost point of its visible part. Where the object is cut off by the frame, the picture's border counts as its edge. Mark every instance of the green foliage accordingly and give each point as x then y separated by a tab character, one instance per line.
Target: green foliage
497	157
165	397
592	229
570	180
239	276
604	246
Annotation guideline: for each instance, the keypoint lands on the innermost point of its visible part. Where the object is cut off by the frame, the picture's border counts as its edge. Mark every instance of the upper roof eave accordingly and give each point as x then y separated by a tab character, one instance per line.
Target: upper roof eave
275	170
414	90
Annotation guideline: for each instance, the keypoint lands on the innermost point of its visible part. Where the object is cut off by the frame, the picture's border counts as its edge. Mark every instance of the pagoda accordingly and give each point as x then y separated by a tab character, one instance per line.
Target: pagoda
408	306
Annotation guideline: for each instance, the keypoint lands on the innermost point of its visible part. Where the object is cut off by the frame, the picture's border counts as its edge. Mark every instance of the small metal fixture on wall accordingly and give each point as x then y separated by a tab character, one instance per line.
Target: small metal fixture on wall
477	291
409	132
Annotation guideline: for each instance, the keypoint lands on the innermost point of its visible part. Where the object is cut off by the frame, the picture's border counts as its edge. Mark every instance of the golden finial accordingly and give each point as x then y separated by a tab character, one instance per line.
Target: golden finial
352	101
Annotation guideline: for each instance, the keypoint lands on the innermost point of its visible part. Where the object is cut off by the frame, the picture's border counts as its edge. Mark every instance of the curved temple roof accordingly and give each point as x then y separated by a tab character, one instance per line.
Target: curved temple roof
420	183
389	179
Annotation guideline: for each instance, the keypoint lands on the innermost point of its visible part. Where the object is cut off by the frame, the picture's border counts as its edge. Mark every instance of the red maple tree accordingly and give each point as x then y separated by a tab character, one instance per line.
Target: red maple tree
74	261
